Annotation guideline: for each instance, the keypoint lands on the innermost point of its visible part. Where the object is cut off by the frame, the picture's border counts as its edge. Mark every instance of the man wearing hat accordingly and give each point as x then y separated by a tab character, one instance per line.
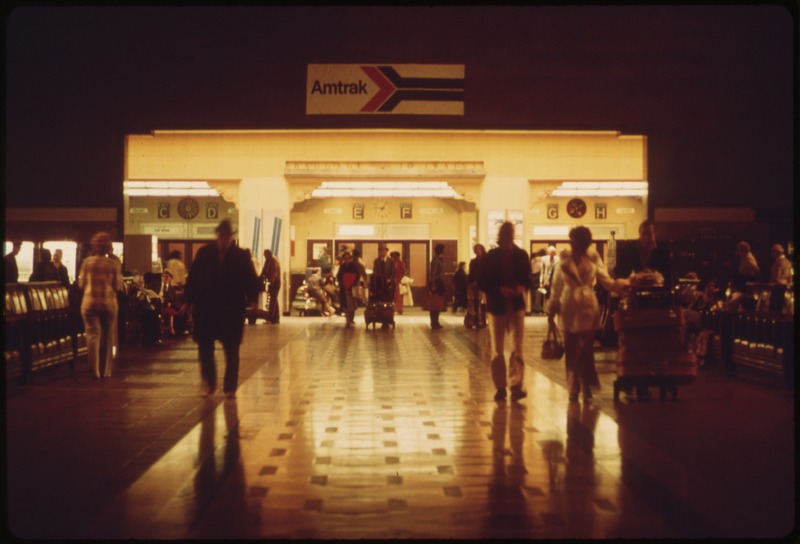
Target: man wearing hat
383	275
221	284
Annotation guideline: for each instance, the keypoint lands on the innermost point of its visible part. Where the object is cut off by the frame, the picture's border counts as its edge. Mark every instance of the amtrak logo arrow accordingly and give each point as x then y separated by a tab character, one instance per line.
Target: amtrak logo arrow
394	88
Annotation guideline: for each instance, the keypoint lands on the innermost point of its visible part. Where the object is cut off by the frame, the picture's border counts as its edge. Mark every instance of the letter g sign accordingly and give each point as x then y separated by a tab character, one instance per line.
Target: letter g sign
552	211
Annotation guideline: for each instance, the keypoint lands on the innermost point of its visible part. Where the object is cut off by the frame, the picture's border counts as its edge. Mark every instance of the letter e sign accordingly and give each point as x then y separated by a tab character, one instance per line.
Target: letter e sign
552	211
358	211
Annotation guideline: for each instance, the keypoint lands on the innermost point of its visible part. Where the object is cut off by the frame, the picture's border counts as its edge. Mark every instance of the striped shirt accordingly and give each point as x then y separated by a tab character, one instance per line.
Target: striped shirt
100	279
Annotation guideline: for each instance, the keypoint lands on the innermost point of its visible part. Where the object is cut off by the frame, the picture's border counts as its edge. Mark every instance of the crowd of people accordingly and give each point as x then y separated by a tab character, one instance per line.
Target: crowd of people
497	290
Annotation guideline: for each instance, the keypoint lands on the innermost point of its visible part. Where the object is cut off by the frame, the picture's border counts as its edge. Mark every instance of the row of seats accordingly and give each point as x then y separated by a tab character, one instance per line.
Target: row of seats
42	328
760	340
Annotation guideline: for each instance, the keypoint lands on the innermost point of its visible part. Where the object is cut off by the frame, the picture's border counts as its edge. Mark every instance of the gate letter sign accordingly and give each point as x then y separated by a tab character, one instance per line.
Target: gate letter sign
419	89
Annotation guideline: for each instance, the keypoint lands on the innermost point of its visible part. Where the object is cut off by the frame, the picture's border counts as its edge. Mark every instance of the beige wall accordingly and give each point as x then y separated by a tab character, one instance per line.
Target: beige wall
532	154
317	219
142	218
251	168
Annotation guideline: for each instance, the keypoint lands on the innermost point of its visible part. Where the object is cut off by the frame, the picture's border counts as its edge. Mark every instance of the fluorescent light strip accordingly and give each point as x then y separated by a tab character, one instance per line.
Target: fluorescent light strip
602	188
168	188
599	192
601	184
171	192
377	189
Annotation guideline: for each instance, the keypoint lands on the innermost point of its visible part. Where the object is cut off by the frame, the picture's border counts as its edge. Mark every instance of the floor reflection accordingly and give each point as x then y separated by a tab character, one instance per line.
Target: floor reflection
508	515
394	434
219	483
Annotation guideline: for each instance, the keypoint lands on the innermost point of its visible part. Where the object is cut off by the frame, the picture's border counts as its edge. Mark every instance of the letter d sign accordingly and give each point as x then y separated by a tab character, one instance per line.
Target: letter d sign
212	211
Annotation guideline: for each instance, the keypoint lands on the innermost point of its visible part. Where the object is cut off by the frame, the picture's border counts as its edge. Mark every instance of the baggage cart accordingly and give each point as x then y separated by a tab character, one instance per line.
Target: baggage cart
380	306
378	311
652	349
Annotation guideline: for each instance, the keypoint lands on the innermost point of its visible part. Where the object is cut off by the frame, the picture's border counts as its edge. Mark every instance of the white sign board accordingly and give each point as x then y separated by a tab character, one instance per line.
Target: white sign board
419	89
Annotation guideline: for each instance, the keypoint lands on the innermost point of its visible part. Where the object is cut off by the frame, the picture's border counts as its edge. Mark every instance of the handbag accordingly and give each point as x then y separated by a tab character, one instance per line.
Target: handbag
435	303
358	292
552	347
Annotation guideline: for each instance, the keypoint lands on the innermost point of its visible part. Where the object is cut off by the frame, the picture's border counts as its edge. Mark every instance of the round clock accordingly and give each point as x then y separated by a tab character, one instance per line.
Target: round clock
576	208
188	208
382	209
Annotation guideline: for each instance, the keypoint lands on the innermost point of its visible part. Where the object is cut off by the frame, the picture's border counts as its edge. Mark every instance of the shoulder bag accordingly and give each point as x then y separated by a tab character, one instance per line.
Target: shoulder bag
552	347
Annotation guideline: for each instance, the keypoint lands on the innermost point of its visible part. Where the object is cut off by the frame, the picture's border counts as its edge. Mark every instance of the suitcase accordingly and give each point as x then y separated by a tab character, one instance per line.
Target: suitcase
379	312
652	351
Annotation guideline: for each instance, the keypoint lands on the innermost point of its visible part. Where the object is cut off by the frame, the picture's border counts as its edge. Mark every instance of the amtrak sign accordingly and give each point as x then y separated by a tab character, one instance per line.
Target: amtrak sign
412	89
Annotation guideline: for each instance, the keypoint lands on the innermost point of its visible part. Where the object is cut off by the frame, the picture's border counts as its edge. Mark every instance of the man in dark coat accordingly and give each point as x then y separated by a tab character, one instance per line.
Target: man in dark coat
222	282
505	277
646	254
12	270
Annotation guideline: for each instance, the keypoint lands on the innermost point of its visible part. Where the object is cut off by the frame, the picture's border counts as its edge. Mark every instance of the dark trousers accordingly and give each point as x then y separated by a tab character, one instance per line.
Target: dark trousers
434	318
274	312
208	365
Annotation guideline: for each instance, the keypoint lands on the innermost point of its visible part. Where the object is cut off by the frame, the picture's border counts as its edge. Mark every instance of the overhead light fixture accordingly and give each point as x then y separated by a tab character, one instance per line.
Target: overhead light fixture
168	188
385	189
601	188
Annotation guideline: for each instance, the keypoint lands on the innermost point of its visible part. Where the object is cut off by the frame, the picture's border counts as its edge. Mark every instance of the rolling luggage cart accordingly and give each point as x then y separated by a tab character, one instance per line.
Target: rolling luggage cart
380	307
652	348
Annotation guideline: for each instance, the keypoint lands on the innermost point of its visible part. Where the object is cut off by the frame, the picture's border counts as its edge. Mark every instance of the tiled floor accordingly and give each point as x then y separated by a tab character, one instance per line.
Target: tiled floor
349	433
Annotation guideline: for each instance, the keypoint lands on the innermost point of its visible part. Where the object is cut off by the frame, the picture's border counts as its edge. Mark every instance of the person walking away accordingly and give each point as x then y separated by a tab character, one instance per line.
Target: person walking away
460	287
505	277
271	273
573	299
44	270
347	277
436	283
399	274
221	284
475	296
100	279
63	273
